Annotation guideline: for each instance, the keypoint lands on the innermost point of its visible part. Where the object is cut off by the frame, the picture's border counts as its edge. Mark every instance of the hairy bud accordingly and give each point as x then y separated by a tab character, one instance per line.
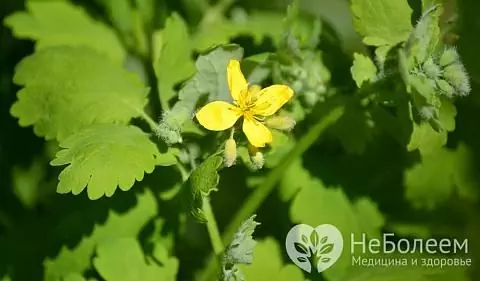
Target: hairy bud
230	153
432	70
257	158
448	57
283	123
445	88
457	76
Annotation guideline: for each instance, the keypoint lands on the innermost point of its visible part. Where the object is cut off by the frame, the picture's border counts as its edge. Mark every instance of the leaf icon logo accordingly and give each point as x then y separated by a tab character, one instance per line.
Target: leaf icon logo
320	246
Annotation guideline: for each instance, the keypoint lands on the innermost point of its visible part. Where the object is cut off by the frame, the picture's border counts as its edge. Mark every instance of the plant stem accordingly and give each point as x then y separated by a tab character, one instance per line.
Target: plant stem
149	120
255	200
212	227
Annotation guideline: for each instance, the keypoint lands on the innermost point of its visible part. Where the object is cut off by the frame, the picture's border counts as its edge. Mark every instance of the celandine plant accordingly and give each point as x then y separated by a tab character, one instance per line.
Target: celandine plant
171	103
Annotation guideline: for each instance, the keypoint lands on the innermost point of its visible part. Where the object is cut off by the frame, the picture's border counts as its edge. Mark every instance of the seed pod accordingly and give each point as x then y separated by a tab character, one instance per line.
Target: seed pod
448	57
230	153
283	123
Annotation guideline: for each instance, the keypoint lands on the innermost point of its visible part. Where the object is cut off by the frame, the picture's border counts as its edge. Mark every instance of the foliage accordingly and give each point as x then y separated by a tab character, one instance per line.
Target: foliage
379	136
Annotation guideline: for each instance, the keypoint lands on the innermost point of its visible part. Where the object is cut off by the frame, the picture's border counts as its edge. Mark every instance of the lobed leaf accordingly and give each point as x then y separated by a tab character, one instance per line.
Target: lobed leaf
174	64
55	23
122	259
363	69
105	156
382	22
67	88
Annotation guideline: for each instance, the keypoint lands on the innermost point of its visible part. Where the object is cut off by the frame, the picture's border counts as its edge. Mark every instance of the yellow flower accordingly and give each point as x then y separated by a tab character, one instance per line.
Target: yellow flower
253	103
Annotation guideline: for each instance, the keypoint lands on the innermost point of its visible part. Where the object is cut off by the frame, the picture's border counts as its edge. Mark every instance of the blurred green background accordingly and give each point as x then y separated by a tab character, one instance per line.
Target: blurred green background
35	222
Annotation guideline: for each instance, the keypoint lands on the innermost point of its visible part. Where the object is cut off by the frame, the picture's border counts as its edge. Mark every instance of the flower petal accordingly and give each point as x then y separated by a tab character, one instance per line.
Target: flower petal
257	133
236	81
218	115
271	99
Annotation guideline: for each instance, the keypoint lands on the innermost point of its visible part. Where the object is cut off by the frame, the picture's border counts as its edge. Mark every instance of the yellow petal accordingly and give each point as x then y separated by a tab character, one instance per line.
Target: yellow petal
257	133
236	81
218	115
271	99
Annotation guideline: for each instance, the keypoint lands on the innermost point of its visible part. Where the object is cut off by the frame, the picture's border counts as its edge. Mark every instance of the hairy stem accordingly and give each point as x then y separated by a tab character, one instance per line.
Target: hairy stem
255	200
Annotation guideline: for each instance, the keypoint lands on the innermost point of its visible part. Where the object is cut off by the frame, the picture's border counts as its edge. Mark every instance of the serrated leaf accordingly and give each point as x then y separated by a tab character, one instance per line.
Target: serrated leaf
211	76
315	204
175	63
267	261
203	180
363	69
105	156
382	22
55	23
127	223
240	250
68	88
122	259
440	175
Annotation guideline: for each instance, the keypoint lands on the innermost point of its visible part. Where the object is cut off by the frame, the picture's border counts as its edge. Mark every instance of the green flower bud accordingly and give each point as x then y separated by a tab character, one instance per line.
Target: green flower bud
427	112
431	69
448	57
257	158
457	76
311	98
230	153
445	88
283	123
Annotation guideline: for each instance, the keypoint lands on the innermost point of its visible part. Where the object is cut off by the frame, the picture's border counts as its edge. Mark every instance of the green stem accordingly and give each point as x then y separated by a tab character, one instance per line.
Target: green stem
153	125
255	200
212	227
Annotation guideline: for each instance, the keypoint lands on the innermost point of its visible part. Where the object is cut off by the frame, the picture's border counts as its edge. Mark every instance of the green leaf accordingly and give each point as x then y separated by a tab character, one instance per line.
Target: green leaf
54	23
122	259
363	69
175	63
28	183
240	250
294	178
259	25
127	223
74	277
268	261
382	22
211	76
68	88
360	217
203	180
120	13
105	156
426	139
354	129
442	174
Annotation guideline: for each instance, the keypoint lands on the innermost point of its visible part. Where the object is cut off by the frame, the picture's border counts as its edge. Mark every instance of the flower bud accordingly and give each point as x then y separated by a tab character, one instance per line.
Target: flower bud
457	76
283	123
257	158
445	88
448	57
431	69
427	112
230	153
